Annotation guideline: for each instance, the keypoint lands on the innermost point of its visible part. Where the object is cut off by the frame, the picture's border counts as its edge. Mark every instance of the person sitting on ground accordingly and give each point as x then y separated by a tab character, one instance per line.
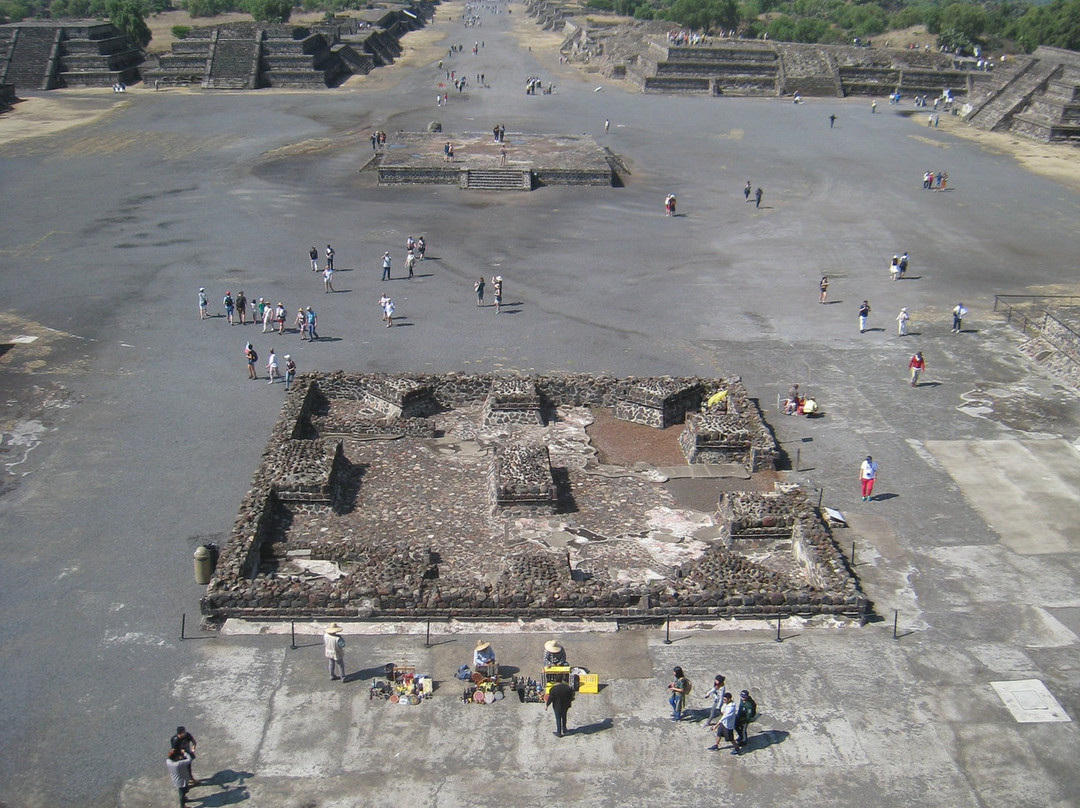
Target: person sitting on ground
483	657
809	406
554	654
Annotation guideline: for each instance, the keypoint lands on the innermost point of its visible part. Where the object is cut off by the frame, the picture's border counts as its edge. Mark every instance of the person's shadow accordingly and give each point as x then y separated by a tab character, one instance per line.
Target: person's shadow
593	728
763	740
226	787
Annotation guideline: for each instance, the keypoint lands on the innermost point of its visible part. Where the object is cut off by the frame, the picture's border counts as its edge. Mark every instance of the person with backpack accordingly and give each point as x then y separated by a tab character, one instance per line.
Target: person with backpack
202	304
241	307
230	307
744	714
679	689
252	357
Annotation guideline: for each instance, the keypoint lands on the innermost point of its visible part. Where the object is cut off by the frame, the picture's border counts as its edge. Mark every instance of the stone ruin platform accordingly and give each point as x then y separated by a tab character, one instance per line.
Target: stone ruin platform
416	158
397	497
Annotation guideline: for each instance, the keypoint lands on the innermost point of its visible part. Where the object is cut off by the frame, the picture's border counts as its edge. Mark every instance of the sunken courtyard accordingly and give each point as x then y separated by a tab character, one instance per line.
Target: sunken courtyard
391	497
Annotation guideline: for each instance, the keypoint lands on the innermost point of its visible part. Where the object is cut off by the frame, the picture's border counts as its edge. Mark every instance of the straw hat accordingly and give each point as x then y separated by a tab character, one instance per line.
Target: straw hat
482	646
333	628
552	646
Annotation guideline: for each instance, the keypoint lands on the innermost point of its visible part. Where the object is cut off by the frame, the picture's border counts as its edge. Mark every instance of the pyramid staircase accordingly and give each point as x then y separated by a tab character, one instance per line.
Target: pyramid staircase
497	179
44	56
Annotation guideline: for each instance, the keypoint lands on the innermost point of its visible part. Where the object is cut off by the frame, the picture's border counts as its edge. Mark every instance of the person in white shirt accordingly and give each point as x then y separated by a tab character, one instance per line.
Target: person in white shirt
867	473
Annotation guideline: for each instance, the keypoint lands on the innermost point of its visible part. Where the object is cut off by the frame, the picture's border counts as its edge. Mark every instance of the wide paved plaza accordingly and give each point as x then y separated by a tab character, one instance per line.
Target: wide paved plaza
131	431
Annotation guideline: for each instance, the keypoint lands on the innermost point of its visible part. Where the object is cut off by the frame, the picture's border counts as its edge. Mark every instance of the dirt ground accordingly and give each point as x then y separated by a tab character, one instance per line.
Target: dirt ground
54	112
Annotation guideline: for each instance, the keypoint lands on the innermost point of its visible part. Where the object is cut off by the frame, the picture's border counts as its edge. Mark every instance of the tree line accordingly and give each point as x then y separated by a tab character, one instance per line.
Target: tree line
956	26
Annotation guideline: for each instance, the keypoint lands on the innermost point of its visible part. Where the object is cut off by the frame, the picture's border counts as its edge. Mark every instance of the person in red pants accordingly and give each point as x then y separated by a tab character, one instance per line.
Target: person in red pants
867	473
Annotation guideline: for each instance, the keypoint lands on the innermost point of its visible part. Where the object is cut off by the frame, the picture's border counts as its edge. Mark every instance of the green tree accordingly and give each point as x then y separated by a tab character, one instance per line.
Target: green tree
966	19
782	29
1056	24
269	10
704	15
130	17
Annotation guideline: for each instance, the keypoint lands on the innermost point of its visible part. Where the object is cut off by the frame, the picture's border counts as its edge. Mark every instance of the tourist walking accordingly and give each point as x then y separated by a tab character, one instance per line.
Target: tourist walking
328	280
867	473
832	120
746	712
329	257
300	323
746	192
383	300
314	256
725	730
252	357
410	262
757	197
280	314
203	304
230	307
478	287
823	288
678	690
917	365
271	366
178	764
312	323
669	205
607	125
334	651
716	696
894	268
560	697
903	264
497	288
290	371
864	312
241	307
267	317
902	321
388	311
386	265
958	314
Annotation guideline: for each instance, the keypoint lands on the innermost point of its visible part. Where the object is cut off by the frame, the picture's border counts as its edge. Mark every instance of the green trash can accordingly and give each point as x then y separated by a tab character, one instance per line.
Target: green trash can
204	566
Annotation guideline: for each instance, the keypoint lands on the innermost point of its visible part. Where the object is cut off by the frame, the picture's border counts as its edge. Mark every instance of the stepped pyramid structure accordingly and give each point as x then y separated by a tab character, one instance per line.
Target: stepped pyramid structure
1036	97
248	56
734	67
642	54
66	53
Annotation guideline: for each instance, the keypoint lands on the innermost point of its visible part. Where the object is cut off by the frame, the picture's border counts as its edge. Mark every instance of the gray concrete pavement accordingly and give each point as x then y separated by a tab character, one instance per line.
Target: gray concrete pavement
148	433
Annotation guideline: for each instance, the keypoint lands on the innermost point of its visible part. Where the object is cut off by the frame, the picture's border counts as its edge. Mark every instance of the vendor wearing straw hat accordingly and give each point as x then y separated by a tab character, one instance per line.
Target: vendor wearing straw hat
554	654
483	654
334	651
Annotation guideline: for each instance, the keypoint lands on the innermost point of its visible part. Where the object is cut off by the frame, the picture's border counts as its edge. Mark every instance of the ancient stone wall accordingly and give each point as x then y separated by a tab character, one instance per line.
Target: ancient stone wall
399	573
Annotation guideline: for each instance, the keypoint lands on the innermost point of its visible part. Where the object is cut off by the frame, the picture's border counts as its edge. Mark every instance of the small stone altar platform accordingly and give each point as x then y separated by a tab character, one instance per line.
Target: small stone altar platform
418	158
385	496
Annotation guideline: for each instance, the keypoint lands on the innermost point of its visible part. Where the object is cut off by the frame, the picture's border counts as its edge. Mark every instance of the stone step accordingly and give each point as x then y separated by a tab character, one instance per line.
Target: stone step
498	179
996	112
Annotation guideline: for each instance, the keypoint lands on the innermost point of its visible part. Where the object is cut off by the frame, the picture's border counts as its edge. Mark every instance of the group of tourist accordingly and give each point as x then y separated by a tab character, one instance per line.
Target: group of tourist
734	716
932	181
